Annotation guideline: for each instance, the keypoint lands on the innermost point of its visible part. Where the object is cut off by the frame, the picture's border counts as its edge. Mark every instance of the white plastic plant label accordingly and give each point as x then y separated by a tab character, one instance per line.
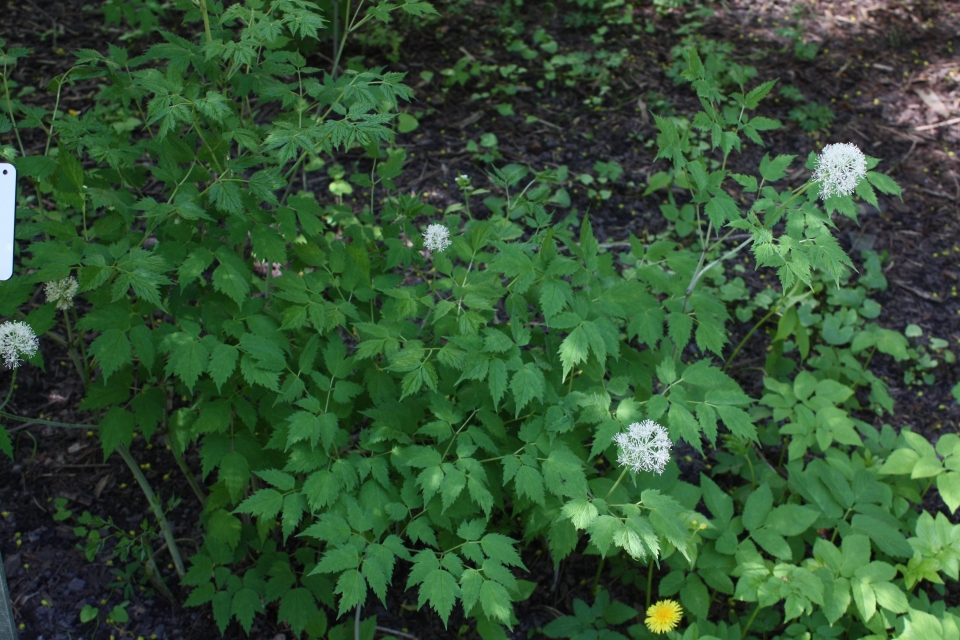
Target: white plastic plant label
8	207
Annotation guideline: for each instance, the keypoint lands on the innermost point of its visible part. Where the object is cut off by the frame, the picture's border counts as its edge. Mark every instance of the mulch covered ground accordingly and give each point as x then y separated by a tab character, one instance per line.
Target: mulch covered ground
888	71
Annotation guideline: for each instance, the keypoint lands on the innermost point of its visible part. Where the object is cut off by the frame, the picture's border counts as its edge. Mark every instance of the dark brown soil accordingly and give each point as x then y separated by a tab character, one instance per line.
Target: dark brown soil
887	70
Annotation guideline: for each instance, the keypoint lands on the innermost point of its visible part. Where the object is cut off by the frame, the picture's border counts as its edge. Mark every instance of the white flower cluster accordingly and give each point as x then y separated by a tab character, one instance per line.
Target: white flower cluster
839	168
644	447
17	339
62	292
436	237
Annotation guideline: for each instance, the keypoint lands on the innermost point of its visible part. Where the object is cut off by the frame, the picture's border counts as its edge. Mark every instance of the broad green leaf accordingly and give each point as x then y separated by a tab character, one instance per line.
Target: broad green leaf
791	519
716	499
695	597
758	506
948	484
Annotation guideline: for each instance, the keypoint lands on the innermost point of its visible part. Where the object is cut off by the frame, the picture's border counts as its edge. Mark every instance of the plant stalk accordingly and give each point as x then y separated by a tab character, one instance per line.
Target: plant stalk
356	624
157	509
197	490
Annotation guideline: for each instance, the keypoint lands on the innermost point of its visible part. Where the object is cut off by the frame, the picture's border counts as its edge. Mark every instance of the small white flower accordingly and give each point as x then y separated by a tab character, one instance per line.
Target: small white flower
17	339
436	237
839	168
62	292
644	447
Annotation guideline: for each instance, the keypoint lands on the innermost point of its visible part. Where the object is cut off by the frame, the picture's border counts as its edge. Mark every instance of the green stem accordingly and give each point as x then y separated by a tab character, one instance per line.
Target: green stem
157	508
10	392
356	624
153	574
201	496
759	323
206	20
51	423
617	483
649	583
72	350
596	577
864	368
13	119
56	106
776	214
750	621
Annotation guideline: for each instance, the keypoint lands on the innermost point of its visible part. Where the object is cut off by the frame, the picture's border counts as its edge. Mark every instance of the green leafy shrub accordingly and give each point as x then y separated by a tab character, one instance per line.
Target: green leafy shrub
373	415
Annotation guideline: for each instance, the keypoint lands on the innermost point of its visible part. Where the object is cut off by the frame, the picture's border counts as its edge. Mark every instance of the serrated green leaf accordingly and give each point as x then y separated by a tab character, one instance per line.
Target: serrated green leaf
527	384
223	361
188	358
112	351
116	429
235	473
265	503
298	607
246	604
529	482
441	590
352	587
500	548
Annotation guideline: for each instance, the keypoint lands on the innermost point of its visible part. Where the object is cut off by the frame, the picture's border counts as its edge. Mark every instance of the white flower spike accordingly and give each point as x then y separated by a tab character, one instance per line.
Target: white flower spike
436	237
839	168
17	339
644	447
62	292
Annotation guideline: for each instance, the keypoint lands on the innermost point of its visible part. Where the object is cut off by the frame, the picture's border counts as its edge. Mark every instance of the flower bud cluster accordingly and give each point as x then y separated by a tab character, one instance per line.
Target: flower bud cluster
644	447
17	339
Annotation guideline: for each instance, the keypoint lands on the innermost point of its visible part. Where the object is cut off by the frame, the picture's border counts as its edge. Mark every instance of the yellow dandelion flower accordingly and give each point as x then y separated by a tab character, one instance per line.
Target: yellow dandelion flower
663	616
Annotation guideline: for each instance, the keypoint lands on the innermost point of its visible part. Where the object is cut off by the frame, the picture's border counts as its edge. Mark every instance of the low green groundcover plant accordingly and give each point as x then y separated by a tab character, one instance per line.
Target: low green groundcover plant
388	398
